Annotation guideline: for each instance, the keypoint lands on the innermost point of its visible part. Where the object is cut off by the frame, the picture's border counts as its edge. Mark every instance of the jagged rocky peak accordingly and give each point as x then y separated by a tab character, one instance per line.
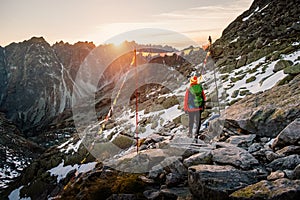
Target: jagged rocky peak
71	56
36	83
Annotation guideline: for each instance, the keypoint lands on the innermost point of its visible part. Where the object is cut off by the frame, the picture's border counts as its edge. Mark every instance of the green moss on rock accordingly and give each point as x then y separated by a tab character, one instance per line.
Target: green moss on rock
282	64
123	142
235	94
293	70
251	79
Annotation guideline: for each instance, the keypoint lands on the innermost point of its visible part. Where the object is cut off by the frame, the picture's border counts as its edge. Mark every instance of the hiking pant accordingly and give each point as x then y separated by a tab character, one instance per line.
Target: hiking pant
192	117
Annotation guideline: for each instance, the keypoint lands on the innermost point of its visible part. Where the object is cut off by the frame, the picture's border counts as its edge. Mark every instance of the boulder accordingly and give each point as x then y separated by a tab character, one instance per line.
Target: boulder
254	147
270	155
276	175
204	157
282	64
242	61
288	136
122	141
296	172
289	162
162	194
293	70
234	156
279	189
289	150
267	113
241	140
173	179
122	197
217	182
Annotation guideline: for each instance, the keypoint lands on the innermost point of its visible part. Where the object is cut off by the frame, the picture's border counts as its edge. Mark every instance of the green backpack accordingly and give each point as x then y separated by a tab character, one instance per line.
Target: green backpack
196	90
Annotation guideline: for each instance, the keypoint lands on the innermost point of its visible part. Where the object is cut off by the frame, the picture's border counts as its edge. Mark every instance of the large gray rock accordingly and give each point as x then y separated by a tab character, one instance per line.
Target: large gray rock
279	189
171	164
289	162
204	157
217	182
242	140
288	136
280	65
296	172
234	156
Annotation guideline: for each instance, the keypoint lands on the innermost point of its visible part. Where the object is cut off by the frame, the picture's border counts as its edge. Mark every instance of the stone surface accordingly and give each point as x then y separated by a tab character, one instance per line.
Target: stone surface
288	136
289	150
279	189
282	64
296	172
293	70
276	175
267	114
289	162
217	182
234	156
242	141
204	157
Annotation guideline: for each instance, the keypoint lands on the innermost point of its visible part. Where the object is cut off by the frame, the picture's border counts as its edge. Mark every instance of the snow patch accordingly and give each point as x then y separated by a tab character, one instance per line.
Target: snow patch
235	40
296	44
246	18
264	7
62	171
15	195
72	147
265	77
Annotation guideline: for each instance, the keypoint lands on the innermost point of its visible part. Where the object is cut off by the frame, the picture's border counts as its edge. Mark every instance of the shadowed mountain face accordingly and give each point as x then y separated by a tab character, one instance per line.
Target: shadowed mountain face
36	80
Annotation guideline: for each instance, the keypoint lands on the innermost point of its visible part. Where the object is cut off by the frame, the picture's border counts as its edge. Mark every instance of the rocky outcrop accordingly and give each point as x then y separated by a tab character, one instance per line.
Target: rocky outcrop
268	113
240	158
217	182
268	28
279	189
288	136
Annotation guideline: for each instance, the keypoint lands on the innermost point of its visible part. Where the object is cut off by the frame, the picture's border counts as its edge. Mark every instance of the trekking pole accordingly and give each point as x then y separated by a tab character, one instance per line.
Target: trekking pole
217	88
136	103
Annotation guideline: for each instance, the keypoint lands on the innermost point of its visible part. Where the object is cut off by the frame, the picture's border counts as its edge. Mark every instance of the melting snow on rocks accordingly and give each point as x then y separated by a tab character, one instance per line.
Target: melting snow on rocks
254	77
12	168
62	171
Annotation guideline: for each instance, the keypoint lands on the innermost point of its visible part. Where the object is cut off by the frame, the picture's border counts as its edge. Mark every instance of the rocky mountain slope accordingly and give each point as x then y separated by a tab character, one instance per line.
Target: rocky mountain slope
36	82
250	152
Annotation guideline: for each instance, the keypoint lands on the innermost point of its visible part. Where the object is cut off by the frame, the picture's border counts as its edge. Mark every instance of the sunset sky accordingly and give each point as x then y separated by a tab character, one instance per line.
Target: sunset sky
99	20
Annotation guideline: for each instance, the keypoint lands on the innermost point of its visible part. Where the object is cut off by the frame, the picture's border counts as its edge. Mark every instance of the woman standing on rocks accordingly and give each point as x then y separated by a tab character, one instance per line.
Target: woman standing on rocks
194	103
